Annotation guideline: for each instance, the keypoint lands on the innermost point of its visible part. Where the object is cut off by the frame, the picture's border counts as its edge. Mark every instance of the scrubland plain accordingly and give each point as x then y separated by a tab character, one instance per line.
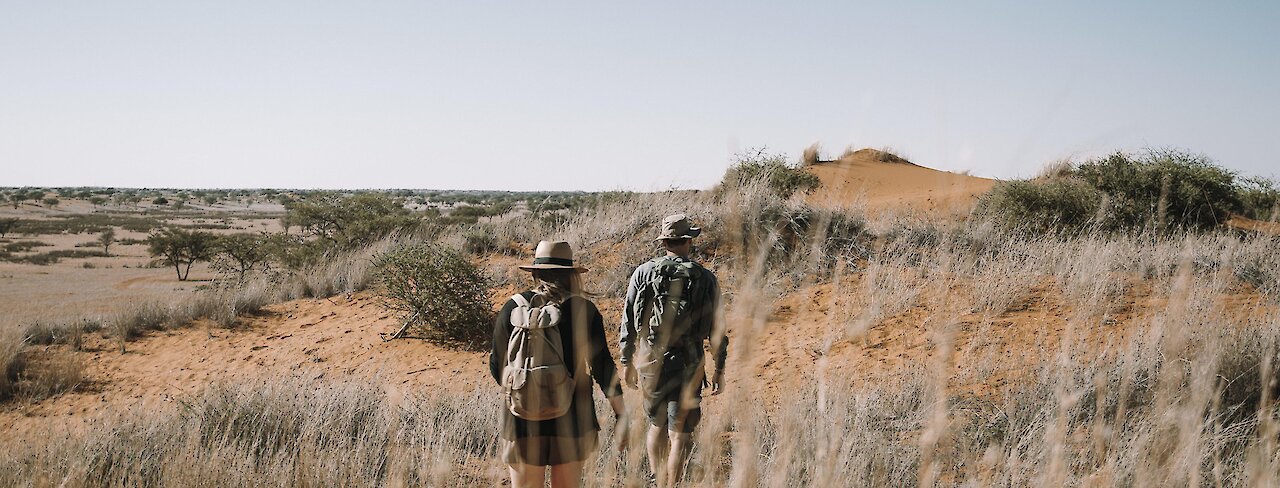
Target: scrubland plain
876	340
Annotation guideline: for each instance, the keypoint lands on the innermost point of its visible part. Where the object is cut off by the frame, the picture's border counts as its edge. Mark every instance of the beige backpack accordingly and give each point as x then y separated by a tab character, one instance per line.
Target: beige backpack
538	383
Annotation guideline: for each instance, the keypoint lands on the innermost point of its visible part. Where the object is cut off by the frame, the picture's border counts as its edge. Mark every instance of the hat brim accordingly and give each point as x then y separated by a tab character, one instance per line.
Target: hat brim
531	267
693	232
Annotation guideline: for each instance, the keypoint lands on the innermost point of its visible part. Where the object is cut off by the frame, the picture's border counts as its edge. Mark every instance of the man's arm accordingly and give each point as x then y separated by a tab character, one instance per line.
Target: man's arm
719	337
627	334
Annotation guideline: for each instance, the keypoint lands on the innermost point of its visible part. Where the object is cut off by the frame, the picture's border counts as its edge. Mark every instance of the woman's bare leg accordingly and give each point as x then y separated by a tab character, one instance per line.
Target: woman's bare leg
527	476
567	475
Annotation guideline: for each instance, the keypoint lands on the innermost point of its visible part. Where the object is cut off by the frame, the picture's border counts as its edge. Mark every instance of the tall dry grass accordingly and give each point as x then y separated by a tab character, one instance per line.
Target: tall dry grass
1162	372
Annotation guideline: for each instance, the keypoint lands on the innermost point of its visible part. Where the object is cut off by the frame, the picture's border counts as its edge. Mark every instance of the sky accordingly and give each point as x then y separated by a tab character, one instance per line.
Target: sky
610	95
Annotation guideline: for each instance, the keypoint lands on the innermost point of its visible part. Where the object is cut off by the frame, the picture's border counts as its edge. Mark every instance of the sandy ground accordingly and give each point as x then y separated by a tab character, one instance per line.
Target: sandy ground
861	179
805	337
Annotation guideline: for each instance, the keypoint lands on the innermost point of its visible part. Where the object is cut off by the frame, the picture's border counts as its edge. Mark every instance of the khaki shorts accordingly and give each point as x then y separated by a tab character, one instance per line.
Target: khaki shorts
547	450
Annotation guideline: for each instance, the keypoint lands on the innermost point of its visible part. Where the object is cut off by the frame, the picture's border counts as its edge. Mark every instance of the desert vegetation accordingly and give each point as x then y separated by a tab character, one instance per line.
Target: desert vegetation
1095	327
1164	189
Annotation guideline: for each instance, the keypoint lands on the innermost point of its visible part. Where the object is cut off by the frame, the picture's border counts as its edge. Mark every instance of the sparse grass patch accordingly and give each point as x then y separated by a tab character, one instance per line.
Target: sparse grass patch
24	246
51	257
12	340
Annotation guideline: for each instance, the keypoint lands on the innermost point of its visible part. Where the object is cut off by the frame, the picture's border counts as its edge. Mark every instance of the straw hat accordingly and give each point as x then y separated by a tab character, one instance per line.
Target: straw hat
678	226
553	255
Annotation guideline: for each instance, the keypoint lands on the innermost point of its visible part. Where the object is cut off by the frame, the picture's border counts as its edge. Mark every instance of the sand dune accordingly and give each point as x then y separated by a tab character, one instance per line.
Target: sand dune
883	182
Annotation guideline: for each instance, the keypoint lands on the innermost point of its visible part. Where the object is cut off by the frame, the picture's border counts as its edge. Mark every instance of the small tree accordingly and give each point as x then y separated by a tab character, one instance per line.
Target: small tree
239	254
51	202
107	238
349	221
438	291
96	201
211	199
181	249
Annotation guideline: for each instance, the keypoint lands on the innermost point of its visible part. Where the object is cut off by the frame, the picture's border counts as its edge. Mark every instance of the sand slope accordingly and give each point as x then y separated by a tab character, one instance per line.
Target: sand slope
884	183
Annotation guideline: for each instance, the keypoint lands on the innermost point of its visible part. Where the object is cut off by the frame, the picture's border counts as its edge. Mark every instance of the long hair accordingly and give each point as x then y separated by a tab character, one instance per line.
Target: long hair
557	285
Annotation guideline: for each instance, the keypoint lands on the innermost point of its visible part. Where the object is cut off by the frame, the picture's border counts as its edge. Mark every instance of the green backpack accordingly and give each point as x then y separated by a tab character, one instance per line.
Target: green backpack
664	342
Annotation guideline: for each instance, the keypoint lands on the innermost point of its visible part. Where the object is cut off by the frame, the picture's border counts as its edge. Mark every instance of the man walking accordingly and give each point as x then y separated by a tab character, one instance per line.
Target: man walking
672	309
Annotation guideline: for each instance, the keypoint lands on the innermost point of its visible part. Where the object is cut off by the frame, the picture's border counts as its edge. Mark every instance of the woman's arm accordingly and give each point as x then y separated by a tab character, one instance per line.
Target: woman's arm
602	367
501	335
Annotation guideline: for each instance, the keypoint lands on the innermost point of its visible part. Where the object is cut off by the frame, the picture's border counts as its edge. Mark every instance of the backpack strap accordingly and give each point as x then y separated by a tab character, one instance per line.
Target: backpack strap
526	316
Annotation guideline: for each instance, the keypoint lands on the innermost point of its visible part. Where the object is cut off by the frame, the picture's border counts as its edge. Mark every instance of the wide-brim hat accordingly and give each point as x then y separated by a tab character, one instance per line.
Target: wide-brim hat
678	226
553	255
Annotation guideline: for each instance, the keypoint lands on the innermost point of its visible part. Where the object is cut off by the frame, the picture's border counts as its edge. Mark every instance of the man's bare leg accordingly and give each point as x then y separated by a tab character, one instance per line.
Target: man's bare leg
658	446
681	446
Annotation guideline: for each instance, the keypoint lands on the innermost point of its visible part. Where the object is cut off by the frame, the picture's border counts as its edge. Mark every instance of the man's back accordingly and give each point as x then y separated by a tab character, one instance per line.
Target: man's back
680	341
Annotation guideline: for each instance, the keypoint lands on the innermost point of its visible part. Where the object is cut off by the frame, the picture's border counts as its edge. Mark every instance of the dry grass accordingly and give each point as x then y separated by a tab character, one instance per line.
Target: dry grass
31	377
1183	395
812	155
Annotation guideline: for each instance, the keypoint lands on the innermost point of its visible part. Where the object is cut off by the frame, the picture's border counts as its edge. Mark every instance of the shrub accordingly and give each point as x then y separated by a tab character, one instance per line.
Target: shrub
160	201
1259	198
7	225
1168	188
440	291
1041	206
773	170
479	240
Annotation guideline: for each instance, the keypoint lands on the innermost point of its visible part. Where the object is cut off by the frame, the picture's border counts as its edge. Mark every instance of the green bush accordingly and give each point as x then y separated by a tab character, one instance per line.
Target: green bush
1042	206
440	291
756	166
479	240
1168	188
1259	198
1164	189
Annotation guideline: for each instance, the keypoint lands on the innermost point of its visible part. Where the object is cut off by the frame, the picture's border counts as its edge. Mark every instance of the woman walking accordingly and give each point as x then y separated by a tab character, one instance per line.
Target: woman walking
543	342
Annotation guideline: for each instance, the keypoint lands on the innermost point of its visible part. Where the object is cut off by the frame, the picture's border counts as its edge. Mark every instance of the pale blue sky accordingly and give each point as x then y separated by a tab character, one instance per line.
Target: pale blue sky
607	95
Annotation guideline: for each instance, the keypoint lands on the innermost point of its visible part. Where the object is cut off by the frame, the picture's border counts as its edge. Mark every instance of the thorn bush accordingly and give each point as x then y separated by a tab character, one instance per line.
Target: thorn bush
448	293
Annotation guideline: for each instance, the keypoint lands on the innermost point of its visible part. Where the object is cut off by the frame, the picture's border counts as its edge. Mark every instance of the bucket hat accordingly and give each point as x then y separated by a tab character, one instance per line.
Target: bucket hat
678	226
